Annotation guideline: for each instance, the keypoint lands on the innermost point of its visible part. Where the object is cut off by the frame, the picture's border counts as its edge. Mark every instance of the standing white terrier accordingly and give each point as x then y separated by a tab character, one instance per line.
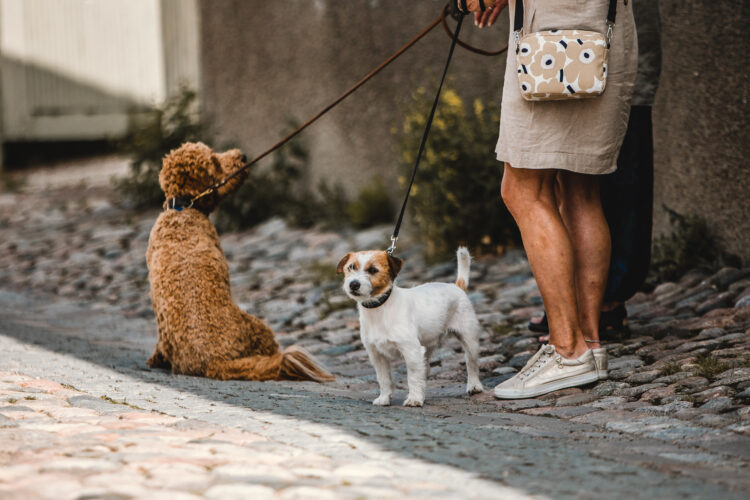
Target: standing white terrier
410	322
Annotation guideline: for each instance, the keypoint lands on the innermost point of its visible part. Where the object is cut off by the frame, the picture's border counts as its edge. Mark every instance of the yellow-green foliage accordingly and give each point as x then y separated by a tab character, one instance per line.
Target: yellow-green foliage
373	205
456	195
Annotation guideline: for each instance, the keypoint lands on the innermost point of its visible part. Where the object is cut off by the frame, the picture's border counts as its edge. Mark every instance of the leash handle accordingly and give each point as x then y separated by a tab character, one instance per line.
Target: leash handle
400	219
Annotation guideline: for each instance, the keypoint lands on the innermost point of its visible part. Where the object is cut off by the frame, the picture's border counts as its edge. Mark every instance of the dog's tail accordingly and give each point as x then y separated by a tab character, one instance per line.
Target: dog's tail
294	363
464	265
298	364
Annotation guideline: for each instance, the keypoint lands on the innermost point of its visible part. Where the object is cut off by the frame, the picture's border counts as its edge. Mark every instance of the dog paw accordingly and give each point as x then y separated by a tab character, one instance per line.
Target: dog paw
382	401
413	402
474	388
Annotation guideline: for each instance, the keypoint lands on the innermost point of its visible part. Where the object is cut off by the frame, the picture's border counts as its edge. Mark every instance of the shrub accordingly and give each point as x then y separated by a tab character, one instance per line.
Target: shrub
372	206
690	245
151	135
456	195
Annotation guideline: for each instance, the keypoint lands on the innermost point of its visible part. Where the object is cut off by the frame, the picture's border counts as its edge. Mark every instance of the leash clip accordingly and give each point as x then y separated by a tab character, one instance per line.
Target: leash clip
391	248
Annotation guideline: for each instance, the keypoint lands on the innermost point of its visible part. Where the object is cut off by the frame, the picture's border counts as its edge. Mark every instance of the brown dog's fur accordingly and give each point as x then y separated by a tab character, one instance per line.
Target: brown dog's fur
201	330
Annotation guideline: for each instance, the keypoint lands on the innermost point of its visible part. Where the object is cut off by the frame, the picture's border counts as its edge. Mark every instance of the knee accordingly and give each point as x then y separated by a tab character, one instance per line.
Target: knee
522	195
511	195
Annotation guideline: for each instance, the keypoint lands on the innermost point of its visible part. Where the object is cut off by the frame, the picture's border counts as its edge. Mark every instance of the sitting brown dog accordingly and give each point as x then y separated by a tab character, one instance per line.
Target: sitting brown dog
201	330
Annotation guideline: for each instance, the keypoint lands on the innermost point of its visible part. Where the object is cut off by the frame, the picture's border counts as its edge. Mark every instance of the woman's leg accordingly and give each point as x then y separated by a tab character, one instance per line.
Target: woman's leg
581	211
530	198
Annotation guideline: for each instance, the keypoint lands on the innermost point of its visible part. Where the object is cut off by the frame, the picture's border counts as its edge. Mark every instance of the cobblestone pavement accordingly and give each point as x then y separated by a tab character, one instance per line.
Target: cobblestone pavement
673	420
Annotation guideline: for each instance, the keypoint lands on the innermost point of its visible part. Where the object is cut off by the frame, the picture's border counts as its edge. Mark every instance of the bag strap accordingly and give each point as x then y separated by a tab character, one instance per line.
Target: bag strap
611	13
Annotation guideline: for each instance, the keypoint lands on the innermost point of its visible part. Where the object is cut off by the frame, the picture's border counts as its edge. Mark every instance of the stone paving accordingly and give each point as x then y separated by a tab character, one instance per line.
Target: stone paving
673	419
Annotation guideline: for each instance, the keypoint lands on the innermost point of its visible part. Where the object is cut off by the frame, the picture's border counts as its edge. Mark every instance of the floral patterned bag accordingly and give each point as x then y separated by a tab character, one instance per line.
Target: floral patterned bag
558	65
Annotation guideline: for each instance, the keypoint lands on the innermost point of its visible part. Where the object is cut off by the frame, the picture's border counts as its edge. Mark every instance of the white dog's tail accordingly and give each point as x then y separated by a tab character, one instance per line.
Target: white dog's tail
464	265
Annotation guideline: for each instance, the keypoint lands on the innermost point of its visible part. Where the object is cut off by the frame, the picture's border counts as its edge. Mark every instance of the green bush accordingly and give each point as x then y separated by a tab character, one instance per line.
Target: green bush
691	245
456	195
373	205
151	135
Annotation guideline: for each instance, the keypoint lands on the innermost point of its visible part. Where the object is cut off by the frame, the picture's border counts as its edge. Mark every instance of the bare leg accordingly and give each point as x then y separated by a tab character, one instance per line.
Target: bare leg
581	210
530	197
383	372
415	374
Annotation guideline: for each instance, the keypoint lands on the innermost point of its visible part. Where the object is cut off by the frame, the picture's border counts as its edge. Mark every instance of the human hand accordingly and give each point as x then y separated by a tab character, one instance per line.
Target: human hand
489	16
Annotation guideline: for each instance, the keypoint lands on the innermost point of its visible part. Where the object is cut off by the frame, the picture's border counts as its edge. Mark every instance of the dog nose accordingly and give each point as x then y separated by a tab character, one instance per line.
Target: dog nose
354	286
244	158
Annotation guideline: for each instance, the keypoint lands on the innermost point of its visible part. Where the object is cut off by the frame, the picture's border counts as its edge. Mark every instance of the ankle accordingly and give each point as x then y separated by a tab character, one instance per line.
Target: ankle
592	343
571	351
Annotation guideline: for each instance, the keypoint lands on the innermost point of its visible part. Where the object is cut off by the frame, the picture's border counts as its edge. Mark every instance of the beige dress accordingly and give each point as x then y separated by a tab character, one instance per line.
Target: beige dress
579	135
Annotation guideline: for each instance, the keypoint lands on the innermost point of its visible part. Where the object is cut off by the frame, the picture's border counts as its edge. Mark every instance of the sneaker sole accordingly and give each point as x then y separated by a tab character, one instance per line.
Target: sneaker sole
583	379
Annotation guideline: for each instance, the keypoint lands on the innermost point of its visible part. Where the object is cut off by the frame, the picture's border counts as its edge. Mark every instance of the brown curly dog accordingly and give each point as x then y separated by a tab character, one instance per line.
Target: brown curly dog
201	330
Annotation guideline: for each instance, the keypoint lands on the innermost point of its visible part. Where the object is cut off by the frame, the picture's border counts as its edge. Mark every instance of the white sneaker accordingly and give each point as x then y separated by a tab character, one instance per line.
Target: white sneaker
602	363
548	371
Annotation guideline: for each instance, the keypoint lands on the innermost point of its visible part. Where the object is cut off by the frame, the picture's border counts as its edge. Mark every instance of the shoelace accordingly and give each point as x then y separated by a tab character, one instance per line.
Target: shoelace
541	359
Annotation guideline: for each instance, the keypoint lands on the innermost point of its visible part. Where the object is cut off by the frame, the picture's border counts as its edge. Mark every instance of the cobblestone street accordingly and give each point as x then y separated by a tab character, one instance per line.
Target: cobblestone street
81	416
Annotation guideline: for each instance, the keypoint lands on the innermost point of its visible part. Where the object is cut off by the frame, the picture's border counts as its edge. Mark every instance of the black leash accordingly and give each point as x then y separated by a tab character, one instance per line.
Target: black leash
394	237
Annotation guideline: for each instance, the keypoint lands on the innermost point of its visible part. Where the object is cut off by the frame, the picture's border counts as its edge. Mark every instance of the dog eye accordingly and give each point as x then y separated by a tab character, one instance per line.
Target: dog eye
351	267
372	270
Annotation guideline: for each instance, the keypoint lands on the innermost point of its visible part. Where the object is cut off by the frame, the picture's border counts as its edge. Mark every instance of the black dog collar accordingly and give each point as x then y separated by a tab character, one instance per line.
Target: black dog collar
379	301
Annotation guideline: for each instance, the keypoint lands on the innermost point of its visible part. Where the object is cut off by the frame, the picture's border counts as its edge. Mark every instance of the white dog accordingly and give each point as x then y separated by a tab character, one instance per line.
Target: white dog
410	322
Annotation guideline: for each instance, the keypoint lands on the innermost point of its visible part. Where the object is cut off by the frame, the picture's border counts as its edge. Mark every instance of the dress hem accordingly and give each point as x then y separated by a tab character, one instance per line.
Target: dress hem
573	162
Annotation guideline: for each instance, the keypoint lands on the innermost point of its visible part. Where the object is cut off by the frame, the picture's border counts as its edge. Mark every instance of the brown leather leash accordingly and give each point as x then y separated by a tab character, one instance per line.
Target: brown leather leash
441	19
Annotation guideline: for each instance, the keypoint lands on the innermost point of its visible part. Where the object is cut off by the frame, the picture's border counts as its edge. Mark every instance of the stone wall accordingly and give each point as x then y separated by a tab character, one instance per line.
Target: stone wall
701	124
265	63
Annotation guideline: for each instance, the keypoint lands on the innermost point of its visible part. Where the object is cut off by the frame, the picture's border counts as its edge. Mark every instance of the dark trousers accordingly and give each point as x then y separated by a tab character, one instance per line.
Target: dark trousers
627	199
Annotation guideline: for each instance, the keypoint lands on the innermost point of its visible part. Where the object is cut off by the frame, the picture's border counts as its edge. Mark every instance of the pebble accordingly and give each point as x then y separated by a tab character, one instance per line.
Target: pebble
670	379
608	388
691	383
634	392
732	376
643	377
744	395
665	409
718	405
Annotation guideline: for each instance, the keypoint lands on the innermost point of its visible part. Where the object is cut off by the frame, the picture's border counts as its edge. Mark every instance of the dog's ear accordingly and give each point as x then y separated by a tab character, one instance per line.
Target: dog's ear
342	263
394	263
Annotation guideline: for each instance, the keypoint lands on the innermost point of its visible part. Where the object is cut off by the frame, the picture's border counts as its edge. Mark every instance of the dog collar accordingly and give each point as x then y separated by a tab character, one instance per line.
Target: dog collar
379	301
179	204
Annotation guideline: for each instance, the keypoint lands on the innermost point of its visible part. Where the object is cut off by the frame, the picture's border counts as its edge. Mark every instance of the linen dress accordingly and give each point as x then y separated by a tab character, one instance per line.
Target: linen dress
583	135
